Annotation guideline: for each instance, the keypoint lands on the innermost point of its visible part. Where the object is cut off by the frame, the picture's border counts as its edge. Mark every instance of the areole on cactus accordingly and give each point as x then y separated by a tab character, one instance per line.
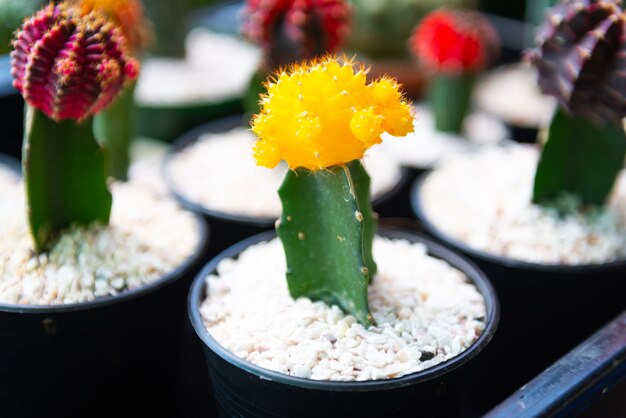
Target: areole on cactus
581	58
68	67
320	117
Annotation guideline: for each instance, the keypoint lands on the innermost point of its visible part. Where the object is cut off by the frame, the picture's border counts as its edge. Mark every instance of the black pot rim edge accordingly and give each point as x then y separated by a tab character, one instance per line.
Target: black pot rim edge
196	255
418	210
12	163
476	276
223	125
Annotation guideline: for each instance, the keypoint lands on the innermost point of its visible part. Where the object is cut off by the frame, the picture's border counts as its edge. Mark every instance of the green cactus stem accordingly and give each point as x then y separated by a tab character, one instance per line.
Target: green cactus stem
169	19
327	229
579	157
113	128
64	174
450	99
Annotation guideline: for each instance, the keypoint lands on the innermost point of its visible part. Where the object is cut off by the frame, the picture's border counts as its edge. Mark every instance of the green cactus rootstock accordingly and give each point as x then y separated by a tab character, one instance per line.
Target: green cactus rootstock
327	229
450	98
113	128
168	17
579	157
64	174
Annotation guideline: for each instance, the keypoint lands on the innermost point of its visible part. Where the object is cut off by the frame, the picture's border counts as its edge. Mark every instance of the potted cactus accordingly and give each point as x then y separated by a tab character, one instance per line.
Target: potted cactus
90	291
548	226
209	170
328	333
455	46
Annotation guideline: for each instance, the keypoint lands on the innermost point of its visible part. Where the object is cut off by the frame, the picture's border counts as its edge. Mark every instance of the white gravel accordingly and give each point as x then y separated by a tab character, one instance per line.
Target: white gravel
484	200
426	146
148	237
512	93
217	67
219	172
426	313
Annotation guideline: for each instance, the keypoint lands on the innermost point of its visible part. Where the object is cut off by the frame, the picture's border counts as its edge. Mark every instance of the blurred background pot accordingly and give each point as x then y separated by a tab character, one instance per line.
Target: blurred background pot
11	163
115	355
244	389
546	309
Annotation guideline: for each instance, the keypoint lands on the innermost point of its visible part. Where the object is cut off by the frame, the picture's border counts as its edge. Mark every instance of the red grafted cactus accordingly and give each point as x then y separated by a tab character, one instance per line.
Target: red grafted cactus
455	41
581	58
293	30
70	66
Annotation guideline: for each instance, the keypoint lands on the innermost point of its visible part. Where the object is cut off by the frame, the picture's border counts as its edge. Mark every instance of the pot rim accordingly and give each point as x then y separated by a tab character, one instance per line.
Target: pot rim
6	81
226	124
418	210
12	163
100	302
476	276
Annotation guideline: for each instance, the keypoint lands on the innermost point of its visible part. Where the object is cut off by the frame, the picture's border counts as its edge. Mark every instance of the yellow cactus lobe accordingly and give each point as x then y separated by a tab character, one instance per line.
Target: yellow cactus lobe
324	113
128	15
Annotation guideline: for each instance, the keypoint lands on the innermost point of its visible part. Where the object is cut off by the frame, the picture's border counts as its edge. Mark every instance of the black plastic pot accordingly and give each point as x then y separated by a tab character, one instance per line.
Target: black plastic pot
12	163
523	134
12	111
115	356
228	229
245	390
546	309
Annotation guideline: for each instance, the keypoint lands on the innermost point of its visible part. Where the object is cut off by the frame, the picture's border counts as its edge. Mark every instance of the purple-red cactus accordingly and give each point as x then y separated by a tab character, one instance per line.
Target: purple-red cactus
294	30
70	66
581	58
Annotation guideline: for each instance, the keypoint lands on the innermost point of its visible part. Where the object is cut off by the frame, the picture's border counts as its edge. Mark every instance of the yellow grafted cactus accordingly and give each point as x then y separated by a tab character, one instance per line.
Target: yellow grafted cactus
324	113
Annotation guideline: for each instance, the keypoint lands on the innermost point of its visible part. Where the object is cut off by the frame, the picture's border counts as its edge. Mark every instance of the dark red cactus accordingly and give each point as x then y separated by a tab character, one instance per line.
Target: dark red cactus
68	66
581	58
455	41
294	30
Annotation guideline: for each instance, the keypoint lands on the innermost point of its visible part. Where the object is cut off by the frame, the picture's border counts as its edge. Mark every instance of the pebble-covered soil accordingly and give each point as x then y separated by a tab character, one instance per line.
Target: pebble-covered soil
426	312
148	237
484	201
